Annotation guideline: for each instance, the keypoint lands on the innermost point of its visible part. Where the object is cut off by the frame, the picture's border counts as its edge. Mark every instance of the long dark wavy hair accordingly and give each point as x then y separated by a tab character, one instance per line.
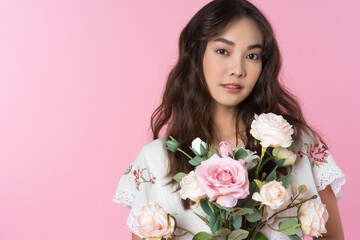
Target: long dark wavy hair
185	107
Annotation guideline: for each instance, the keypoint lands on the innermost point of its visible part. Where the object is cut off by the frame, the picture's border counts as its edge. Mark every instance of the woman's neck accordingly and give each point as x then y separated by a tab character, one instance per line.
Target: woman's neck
224	119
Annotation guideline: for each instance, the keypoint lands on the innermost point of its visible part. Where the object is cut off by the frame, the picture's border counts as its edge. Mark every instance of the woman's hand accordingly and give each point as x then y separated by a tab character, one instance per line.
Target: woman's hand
333	225
135	237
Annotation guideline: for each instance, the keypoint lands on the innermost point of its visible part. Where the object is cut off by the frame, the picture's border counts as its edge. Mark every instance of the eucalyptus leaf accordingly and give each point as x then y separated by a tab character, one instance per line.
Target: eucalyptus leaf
202	236
254	217
293	190
289	226
224	232
236	221
238	234
214	222
302	189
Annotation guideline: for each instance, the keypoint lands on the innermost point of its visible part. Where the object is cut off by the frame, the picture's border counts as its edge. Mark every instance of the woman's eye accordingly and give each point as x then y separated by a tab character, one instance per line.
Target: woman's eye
253	56
222	51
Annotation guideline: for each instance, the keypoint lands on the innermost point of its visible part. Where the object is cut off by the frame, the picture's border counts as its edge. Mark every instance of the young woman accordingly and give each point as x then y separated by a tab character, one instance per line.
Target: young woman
227	71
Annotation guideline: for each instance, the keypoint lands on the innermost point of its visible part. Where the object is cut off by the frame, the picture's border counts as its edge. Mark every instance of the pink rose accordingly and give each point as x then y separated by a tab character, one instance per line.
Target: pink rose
318	154
224	179
225	148
272	194
154	222
313	217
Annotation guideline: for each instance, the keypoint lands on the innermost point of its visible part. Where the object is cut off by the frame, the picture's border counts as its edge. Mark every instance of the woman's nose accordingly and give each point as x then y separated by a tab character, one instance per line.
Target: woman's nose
237	68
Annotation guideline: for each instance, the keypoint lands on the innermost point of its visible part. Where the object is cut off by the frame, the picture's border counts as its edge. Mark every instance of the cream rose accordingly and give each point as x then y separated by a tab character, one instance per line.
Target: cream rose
190	188
271	130
154	222
313	217
288	155
196	144
251	159
272	194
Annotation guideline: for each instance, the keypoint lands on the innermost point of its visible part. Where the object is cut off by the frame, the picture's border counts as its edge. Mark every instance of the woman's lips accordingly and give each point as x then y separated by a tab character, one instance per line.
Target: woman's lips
231	89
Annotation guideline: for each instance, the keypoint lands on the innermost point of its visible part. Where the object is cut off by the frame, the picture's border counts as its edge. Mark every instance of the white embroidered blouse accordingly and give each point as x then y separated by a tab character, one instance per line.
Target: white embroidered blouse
144	182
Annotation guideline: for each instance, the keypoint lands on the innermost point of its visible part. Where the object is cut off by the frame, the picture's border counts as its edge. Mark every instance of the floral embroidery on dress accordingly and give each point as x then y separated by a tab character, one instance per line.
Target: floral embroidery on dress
315	153
139	176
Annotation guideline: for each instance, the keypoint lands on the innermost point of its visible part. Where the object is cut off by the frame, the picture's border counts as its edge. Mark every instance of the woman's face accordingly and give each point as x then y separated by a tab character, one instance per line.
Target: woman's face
233	57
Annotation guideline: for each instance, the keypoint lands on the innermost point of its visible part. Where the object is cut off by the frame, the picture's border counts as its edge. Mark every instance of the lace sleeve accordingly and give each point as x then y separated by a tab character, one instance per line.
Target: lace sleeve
134	188
324	168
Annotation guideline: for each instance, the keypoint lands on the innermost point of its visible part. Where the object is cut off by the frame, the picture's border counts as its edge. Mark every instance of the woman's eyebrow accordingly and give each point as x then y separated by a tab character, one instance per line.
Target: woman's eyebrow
233	44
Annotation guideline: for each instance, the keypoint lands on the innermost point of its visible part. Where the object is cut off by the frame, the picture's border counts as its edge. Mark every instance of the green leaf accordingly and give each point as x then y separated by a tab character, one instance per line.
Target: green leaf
280	162
196	161
202	236
210	153
254	217
223	233
289	226
237	221
172	144
260	236
214	222
248	210
203	150
286	180
259	183
294	237
206	208
271	176
265	161
221	207
202	218
179	176
240	154
238	234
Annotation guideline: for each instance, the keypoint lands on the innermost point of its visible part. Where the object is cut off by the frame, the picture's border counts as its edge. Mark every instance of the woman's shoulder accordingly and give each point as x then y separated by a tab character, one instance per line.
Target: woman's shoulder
154	147
155	156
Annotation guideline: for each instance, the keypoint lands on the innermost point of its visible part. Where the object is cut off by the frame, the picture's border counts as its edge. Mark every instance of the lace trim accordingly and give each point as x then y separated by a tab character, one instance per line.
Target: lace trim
124	197
132	223
333	177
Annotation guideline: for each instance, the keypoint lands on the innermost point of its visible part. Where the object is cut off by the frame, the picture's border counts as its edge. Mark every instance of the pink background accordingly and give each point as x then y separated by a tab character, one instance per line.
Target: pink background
79	80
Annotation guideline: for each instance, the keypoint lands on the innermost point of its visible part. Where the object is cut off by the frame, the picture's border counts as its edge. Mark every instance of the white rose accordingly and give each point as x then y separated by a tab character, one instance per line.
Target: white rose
196	144
251	159
190	188
154	222
273	194
271	130
313	217
288	155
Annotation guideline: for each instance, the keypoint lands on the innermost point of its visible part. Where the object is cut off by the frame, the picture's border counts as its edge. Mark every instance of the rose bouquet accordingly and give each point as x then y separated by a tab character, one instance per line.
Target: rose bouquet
238	196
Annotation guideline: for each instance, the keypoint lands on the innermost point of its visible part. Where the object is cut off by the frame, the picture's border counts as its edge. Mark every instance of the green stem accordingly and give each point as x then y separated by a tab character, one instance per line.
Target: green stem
288	207
263	150
186	231
179	149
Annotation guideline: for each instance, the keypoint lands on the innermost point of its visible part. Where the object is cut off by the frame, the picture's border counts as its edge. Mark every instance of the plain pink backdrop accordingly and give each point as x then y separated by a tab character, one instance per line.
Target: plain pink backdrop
79	80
